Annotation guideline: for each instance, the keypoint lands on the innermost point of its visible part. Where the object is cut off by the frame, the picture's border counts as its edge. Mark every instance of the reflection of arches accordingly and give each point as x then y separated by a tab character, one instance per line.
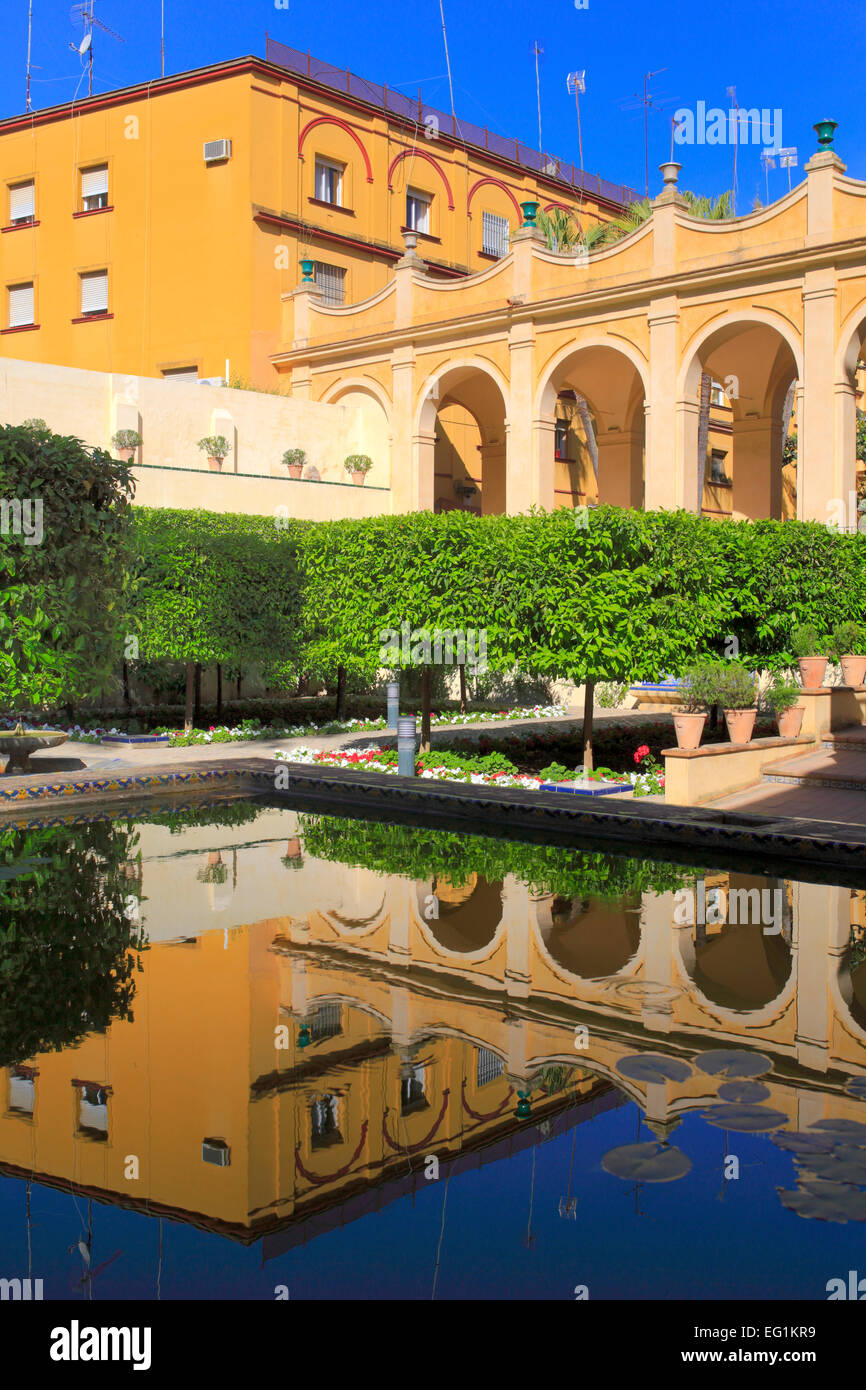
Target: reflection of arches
468	922
590	938
759	354
343	125
461	427
361	905
415	153
610	376
739	969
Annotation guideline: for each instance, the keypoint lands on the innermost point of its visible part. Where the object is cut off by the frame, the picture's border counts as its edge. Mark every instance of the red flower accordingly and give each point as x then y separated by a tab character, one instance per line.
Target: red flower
641	753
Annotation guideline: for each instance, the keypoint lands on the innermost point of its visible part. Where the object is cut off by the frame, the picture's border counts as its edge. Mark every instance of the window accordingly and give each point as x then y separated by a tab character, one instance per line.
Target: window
94	292
329	181
93	1111
94	188
326	1022
21	300
324	1122
561	439
494	234
180	373
22	203
22	1091
418	211
331	280
717	394
717	466
488	1067
412	1095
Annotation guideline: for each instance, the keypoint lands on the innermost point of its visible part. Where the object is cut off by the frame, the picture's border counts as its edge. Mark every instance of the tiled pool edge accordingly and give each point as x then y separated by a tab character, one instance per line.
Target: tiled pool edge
632	826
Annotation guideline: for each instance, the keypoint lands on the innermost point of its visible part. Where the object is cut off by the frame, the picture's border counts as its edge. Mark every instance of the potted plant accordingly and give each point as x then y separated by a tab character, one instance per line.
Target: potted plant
736	692
782	696
695	697
126	442
806	646
359	466
216	446
847	640
294	460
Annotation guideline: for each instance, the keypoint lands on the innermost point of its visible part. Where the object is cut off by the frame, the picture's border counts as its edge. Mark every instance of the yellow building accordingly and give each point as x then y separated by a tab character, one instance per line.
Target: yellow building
152	231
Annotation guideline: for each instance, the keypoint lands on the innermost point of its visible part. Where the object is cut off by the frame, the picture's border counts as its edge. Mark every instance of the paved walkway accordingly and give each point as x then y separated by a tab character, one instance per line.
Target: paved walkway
784	799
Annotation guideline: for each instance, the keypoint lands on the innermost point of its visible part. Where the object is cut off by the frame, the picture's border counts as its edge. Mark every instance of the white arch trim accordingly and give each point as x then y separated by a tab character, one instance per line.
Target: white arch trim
688	378
543	406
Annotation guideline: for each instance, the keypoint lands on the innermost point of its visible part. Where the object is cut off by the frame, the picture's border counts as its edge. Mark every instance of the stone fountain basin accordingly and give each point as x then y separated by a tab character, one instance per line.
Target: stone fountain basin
18	748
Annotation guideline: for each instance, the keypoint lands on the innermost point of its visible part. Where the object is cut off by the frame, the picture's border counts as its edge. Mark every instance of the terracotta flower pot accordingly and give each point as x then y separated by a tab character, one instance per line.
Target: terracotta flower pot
812	671
215	465
127	455
293	848
688	729
790	722
358	479
853	669
295	470
741	723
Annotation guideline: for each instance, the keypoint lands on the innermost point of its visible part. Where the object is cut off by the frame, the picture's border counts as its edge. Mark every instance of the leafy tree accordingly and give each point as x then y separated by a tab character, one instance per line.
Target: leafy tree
64	534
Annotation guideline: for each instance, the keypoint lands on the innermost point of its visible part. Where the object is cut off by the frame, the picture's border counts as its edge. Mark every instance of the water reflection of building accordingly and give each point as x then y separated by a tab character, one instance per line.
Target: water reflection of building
300	1067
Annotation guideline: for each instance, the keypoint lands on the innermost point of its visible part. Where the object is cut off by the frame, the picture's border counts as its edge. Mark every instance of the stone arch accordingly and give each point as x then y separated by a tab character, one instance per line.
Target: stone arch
766	1006
470	924
755	355
370	432
460	437
422	154
497	183
344	126
611	376
581	943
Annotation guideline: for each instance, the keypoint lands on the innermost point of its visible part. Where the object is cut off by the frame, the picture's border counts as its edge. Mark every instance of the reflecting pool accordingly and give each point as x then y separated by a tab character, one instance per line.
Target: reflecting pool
252	1053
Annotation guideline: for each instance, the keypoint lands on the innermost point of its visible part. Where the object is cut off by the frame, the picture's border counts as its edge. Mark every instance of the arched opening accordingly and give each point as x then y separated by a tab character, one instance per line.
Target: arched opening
468	913
740	967
590	937
369	429
594	397
851	417
740	389
462	425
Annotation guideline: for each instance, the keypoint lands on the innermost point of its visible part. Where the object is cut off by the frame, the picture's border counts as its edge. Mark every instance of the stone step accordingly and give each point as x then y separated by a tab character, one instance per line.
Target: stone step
852	739
841	766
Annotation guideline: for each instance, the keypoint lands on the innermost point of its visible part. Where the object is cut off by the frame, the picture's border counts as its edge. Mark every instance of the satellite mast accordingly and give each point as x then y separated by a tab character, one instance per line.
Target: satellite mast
85	12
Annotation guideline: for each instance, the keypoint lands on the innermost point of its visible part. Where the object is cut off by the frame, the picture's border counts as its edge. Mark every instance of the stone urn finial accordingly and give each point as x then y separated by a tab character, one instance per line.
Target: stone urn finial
410	240
670	172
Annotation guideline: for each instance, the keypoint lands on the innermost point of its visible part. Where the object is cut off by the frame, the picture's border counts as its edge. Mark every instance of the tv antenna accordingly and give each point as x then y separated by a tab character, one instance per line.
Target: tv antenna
768	160
646	101
85	13
576	82
788	160
538	53
732	93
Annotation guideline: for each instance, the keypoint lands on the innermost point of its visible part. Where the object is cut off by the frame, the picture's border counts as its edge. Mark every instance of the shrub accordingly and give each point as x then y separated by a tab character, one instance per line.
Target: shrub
358	463
737	688
699	689
610	694
555	772
805	641
34	424
216	446
126	439
782	694
294	457
847	640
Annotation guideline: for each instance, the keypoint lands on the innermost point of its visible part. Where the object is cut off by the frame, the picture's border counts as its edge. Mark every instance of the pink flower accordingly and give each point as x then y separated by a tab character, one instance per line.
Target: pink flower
641	753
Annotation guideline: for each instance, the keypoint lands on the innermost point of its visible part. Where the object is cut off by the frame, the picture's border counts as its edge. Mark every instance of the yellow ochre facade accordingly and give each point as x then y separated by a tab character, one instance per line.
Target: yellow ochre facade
196	245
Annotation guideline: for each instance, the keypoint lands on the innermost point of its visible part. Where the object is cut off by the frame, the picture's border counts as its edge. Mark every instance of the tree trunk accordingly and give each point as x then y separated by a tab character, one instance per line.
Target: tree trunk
190	697
426	692
462	689
219	708
196	714
341	692
240	678
588	699
127	699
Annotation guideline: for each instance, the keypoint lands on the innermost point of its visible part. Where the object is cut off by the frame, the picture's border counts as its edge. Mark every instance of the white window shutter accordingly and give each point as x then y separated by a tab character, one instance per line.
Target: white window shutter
94	292
20	305
331	280
94	181
494	234
22	202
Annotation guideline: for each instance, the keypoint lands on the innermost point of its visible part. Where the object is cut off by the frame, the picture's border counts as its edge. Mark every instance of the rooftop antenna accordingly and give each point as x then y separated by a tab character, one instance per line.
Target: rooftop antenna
448	66
538	53
29	33
576	82
768	159
162	38
647	101
788	160
732	93
85	13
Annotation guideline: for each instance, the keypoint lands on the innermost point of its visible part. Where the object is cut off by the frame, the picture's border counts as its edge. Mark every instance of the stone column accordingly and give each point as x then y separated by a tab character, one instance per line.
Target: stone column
821	470
670	450
517	910
757	448
412	458
523	480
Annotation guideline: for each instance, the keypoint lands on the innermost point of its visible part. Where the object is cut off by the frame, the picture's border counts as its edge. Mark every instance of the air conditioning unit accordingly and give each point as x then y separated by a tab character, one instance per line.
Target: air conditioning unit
216	1151
215	151
212	381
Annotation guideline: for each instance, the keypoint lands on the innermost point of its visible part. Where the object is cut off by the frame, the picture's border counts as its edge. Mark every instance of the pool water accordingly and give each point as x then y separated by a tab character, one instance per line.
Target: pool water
252	1053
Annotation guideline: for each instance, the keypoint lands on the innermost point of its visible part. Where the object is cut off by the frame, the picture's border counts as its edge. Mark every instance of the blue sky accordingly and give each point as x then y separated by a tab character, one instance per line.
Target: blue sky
806	61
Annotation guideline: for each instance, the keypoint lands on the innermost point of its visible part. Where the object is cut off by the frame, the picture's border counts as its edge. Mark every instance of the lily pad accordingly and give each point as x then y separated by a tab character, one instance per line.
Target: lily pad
825	1201
653	1067
842	1164
744	1092
845	1129
799	1141
755	1119
652	1162
733	1062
